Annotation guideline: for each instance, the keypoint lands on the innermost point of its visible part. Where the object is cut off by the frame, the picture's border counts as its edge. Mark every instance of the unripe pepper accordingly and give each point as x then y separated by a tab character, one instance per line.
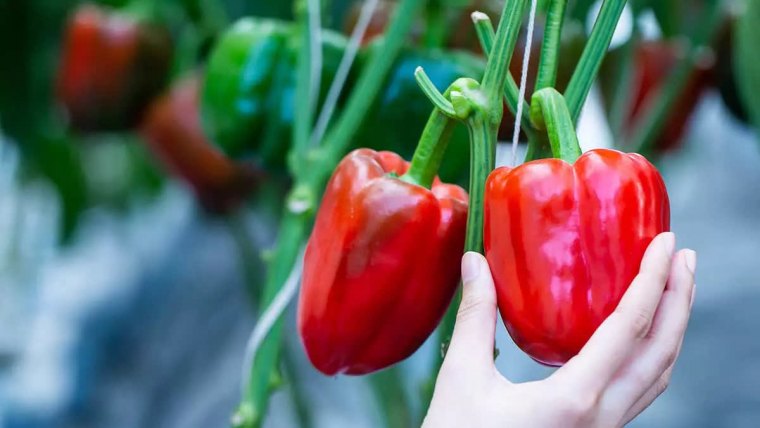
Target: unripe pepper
565	241
248	94
402	104
173	132
112	65
381	265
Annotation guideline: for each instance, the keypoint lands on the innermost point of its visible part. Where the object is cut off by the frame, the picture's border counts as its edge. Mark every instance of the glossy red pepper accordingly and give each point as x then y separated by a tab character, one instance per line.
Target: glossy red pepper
172	129
381	265
112	65
565	241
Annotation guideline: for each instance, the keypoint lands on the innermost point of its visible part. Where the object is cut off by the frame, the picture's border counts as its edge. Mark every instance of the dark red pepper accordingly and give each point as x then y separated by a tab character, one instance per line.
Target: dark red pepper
565	241
112	65
173	131
381	265
652	64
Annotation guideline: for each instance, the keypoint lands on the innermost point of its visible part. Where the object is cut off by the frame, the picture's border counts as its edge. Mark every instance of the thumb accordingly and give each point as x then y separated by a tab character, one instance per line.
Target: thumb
473	338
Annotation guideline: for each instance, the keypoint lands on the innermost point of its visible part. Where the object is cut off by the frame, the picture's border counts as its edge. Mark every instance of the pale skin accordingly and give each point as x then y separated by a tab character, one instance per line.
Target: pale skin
622	369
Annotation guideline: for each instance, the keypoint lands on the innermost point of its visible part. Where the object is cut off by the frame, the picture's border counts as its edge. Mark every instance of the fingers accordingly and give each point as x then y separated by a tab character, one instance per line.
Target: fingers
649	372
620	334
473	338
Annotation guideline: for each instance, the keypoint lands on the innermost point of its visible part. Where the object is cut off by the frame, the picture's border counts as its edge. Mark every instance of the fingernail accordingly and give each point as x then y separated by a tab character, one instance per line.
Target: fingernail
690	258
470	267
670	242
693	295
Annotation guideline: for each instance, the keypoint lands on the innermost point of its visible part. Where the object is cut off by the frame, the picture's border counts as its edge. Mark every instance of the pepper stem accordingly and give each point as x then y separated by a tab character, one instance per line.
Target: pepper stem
430	150
485	32
500	55
547	67
550	112
592	56
430	91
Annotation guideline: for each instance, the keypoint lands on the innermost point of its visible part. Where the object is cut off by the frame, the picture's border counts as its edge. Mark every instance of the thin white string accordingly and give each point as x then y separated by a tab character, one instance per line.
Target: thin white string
269	317
523	79
336	87
315	52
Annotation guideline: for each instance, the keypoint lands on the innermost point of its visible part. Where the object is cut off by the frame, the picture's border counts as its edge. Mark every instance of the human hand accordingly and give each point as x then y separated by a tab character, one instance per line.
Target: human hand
622	369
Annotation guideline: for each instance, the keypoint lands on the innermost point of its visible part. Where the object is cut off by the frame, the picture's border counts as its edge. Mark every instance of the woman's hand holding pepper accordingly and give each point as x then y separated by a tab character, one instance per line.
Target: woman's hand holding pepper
622	369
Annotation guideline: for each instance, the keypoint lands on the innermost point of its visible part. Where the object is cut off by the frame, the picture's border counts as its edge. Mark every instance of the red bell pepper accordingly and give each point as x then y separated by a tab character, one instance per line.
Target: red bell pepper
654	61
381	265
112	65
172	129
565	241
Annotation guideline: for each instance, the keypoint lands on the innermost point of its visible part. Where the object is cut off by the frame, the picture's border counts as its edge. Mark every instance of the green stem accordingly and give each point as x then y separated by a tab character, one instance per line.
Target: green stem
550	112
371	80
428	88
650	127
547	67
303	115
292	234
538	147
430	149
482	160
435	25
247	254
482	133
593	54
484	29
500	54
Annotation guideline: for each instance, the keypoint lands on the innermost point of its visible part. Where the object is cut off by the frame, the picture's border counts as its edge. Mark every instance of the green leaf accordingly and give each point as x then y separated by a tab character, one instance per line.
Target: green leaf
747	59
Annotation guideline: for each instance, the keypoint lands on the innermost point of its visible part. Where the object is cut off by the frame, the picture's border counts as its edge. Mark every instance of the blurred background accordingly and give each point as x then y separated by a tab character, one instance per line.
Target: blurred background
133	213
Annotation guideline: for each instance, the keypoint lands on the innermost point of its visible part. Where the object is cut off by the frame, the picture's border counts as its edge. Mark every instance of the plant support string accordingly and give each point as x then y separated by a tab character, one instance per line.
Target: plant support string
523	79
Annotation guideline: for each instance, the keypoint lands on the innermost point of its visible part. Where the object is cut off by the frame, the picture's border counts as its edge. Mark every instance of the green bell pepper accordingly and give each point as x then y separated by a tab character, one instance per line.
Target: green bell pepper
248	94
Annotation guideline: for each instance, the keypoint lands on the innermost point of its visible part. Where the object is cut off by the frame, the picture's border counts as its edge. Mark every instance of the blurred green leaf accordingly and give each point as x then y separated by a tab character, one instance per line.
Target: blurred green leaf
747	58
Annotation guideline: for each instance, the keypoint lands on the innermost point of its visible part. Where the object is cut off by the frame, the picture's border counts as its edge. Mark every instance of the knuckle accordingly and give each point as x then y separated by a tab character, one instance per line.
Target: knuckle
470	306
638	320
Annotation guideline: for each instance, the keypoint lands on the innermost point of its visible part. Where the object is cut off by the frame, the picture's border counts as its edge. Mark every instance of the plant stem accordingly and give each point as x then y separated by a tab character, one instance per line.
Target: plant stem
482	159
291	235
593	54
371	81
550	112
435	25
486	34
500	54
538	147
430	150
547	67
485	102
303	115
